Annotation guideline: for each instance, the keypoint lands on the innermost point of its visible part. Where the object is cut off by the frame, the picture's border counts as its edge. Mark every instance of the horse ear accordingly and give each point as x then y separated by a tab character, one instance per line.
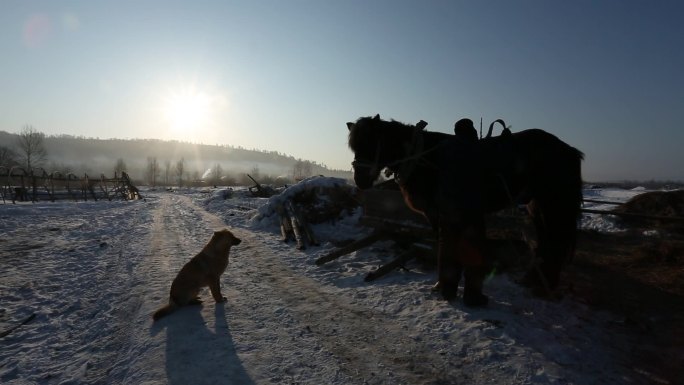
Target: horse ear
350	125
376	117
421	125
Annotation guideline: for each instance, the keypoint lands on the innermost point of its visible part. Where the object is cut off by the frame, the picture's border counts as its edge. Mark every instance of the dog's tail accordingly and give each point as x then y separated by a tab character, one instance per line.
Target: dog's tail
164	311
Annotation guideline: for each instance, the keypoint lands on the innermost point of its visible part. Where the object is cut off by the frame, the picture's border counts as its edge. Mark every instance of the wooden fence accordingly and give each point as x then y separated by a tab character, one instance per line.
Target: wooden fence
20	185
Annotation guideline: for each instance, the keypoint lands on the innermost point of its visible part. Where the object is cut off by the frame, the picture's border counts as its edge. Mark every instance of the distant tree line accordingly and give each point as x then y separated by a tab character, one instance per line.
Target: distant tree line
28	153
79	155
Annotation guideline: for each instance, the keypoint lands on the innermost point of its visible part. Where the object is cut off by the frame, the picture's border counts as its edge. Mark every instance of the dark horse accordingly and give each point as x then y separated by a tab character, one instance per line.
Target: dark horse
455	182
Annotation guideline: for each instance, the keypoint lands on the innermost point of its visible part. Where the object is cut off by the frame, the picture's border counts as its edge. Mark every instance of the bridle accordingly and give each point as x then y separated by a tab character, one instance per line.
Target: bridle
407	164
372	166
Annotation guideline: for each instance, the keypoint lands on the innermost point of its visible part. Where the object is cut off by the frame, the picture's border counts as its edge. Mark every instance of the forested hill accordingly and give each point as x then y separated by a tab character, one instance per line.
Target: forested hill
97	156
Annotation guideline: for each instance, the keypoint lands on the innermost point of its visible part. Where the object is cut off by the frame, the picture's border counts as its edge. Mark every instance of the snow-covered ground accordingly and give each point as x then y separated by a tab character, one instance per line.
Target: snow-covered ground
605	223
91	274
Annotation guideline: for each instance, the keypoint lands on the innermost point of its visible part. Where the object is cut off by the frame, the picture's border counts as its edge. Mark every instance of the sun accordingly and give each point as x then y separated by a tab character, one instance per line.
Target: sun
187	109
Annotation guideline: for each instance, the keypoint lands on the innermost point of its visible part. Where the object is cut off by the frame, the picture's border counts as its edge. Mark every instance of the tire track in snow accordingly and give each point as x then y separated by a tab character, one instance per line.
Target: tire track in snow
193	344
318	334
278	326
354	342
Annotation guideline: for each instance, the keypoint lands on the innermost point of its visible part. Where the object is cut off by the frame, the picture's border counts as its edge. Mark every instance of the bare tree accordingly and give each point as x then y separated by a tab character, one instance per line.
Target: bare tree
195	179
167	171
229	180
8	158
152	171
215	174
301	170
306	171
31	147
255	172
120	166
180	171
61	168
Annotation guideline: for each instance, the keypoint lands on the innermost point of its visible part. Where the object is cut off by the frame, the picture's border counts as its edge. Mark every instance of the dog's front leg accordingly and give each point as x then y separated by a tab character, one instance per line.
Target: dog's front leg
215	287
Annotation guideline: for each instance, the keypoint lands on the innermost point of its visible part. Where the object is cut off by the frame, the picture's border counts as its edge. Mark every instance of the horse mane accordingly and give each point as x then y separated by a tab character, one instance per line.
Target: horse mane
368	130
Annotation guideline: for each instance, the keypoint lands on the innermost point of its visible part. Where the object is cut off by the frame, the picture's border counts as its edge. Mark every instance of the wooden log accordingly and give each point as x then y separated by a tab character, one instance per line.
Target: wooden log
296	227
356	245
285	225
285	228
395	263
310	234
304	224
256	184
602	202
634	215
399	228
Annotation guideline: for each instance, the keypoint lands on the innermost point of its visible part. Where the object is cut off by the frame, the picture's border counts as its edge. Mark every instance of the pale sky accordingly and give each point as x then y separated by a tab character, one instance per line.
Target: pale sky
605	76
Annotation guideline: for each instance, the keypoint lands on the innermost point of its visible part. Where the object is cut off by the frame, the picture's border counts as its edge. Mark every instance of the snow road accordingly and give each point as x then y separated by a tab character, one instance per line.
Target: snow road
93	273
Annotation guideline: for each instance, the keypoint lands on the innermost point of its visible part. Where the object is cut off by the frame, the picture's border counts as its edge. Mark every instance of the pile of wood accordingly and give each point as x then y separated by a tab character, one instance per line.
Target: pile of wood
660	209
261	191
311	201
294	227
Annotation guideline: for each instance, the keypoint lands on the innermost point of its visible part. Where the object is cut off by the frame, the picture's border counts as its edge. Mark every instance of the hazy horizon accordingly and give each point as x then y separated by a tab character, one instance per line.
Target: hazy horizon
95	156
286	76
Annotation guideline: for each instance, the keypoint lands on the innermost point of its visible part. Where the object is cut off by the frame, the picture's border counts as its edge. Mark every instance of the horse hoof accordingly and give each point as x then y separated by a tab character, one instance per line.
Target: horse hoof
531	280
449	292
475	300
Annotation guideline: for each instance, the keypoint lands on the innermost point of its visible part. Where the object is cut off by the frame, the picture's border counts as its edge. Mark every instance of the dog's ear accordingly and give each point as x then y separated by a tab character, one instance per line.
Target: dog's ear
376	117
350	125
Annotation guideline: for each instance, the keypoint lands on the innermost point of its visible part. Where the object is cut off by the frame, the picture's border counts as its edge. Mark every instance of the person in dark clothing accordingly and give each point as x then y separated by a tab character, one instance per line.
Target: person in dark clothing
465	130
460	217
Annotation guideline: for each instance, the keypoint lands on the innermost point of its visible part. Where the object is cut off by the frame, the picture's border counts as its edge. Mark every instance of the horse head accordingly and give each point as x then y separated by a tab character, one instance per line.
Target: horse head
365	142
377	144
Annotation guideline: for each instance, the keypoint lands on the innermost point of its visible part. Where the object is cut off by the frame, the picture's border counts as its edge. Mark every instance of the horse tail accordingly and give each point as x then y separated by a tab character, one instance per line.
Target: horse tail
577	197
577	176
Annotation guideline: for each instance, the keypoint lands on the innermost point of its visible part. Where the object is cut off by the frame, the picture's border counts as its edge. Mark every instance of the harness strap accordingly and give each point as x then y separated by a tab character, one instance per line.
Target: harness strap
506	130
415	151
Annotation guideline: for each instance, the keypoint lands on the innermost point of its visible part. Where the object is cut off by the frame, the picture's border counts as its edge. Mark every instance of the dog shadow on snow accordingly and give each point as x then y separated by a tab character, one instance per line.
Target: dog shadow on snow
196	354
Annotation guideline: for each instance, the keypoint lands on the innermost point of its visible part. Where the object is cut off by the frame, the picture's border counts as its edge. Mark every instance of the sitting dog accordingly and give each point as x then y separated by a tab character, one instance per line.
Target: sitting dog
204	269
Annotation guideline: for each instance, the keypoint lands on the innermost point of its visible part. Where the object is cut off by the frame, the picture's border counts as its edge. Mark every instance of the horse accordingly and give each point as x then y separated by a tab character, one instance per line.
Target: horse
455	182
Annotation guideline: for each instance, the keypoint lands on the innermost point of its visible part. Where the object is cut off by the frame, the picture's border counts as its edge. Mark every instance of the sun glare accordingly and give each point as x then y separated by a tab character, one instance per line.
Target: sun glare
187	110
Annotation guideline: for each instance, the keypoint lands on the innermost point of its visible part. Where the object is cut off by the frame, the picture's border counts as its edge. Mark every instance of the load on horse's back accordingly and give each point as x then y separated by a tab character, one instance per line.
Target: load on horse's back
454	181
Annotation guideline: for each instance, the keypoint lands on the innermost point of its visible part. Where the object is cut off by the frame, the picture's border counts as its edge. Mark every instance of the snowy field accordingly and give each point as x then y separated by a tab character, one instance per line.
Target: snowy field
86	276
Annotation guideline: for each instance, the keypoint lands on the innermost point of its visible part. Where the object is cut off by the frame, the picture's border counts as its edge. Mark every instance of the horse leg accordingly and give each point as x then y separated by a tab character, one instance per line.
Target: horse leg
556	231
562	233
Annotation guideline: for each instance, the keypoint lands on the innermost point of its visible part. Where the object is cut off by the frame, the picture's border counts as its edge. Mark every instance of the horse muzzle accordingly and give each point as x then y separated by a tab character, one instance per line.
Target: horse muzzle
363	183
365	175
